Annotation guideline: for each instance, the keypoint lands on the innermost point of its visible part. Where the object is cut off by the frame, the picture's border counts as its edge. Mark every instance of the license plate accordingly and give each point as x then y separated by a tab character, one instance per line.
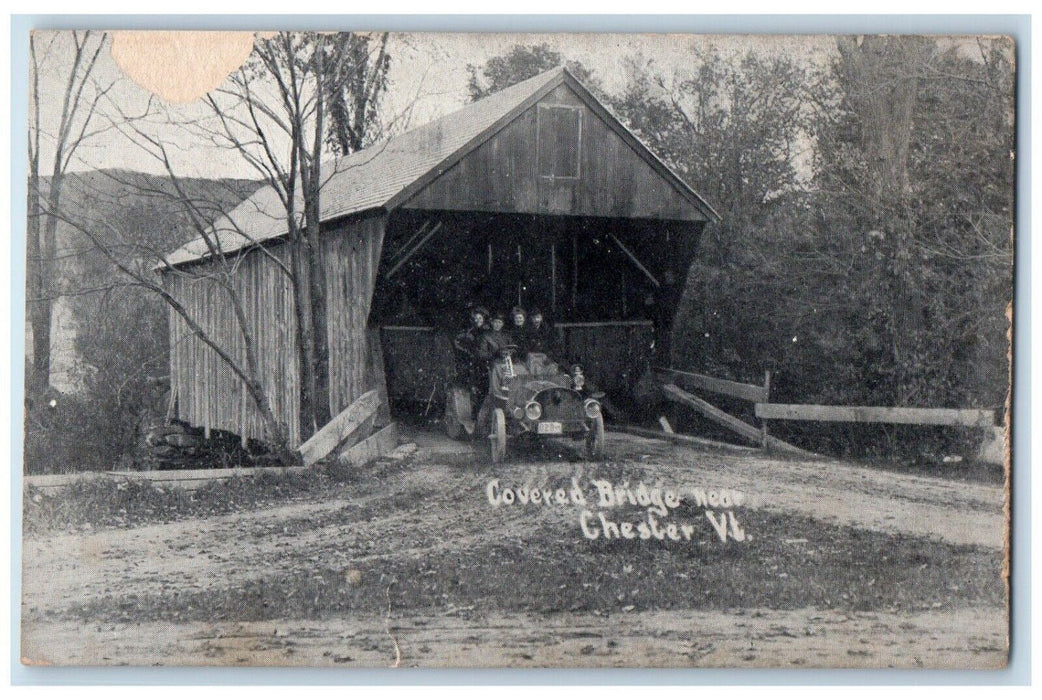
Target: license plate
549	428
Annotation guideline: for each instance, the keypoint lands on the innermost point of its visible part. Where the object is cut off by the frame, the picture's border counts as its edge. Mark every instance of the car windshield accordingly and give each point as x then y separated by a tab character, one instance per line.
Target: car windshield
539	365
535	365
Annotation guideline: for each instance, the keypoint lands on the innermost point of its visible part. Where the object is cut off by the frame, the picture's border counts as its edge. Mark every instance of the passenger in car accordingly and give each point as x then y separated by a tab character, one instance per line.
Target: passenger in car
470	368
539	335
519	330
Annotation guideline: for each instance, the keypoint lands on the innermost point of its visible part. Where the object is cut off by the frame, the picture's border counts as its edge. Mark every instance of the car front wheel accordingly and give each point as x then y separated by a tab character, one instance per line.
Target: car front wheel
497	438
595	440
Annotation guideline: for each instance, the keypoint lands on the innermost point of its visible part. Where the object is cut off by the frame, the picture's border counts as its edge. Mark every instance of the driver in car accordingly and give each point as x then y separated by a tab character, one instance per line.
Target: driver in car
492	344
495	339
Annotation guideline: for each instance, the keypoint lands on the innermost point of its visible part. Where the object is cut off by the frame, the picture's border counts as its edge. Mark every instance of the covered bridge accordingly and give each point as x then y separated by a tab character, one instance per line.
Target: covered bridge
535	195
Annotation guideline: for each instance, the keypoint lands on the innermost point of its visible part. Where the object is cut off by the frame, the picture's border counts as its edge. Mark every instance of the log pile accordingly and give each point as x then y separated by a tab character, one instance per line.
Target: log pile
177	445
351	438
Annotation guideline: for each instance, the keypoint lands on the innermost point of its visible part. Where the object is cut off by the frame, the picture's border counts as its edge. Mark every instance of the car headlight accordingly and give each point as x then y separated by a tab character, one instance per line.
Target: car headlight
592	408
533	410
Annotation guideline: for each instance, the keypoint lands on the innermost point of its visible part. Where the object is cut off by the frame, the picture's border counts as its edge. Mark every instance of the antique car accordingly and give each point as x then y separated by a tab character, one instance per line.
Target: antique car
532	397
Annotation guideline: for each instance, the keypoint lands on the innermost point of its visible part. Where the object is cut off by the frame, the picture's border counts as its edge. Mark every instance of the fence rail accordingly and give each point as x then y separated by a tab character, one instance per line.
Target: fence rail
713	413
749	432
562	325
693	380
970	417
189	479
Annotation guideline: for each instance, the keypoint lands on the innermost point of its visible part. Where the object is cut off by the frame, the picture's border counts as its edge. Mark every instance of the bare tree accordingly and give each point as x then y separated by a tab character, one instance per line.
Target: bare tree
134	259
300	103
273	114
76	124
301	100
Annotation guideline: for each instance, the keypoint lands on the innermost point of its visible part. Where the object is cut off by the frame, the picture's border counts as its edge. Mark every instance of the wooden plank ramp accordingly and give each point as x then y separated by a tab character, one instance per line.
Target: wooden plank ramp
969	417
353	422
380	443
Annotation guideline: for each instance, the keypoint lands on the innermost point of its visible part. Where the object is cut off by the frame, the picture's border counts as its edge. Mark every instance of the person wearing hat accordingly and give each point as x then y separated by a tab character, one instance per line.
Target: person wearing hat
539	335
470	369
519	330
494	339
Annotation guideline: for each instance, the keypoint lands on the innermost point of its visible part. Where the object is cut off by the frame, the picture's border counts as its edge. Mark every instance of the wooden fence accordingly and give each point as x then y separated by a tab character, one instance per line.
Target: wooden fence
672	380
189	479
713	413
692	380
969	417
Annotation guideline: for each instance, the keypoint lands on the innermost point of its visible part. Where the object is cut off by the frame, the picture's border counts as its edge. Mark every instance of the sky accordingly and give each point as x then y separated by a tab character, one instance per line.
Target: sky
427	79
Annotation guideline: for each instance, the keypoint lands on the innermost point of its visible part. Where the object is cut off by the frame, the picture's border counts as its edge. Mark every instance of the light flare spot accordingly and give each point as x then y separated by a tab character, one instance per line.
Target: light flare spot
180	67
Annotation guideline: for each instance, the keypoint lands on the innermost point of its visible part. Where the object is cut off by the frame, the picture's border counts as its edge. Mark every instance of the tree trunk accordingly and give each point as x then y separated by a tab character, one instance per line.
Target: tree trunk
316	271
39	303
42	233
320	347
885	73
305	334
48	272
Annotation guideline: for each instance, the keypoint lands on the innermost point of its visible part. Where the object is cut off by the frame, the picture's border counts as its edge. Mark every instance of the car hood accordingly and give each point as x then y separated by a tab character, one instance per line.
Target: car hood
534	387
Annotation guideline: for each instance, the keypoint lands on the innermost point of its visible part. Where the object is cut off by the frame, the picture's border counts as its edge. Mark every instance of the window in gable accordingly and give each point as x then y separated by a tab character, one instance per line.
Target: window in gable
559	140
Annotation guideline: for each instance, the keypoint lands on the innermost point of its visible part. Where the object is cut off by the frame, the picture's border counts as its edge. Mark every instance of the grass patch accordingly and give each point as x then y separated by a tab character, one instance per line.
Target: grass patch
123	503
555	570
970	470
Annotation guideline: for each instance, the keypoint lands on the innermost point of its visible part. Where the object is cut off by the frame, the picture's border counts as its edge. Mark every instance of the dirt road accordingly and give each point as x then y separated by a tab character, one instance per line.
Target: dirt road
749	638
845	566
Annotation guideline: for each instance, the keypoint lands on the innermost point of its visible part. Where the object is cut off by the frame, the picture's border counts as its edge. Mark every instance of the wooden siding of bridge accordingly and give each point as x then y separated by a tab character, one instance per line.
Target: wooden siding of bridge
351	253
613	178
208	393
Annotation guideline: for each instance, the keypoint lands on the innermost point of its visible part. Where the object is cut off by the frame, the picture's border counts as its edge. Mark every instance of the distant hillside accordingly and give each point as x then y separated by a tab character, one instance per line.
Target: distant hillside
136	215
143	209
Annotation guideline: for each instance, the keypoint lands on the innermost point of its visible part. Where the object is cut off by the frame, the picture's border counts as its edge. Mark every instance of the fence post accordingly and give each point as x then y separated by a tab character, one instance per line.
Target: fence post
766	399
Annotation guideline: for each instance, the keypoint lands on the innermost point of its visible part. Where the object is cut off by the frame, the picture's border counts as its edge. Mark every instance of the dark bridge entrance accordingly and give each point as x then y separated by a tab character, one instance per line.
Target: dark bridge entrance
596	280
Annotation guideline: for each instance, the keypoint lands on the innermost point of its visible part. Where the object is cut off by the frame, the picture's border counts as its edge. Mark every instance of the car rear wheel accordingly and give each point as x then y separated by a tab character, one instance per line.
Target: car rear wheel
453	427
497	438
595	440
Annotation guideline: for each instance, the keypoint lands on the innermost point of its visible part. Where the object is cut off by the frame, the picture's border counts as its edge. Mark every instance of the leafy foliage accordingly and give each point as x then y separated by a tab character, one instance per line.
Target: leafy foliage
736	131
864	253
521	63
914	166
